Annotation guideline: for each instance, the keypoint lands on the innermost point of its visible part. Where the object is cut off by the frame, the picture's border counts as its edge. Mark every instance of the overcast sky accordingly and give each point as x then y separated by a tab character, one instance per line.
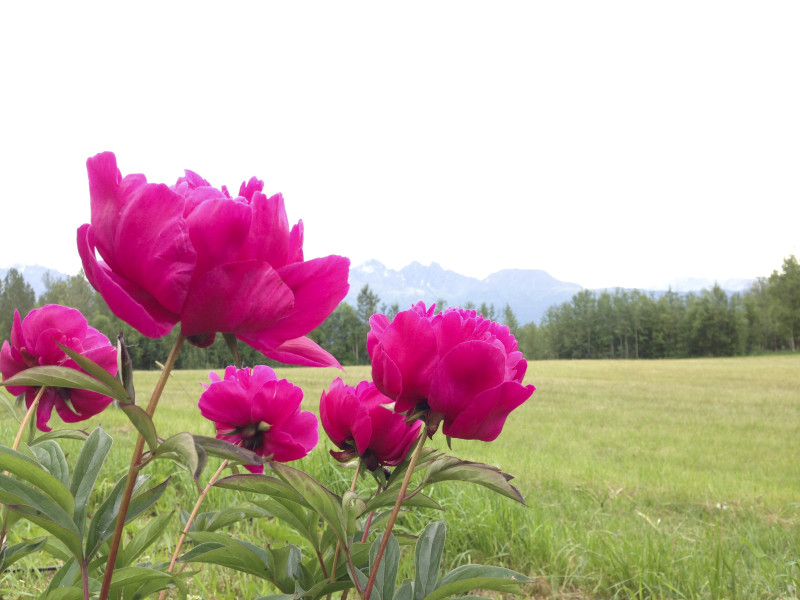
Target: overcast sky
607	143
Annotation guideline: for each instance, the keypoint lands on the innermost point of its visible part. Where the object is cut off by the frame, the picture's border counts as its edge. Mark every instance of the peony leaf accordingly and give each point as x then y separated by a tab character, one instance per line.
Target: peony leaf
450	468
143	538
142	581
142	422
266	485
182	446
11	554
472	577
58	377
428	455
386	577
60	434
92	368
44	515
31	472
389	497
63	578
427	558
219	549
52	458
324	502
87	468
226	450
125	369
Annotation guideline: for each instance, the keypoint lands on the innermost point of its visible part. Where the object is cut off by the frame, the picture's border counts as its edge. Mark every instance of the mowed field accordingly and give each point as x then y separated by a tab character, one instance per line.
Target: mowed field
650	479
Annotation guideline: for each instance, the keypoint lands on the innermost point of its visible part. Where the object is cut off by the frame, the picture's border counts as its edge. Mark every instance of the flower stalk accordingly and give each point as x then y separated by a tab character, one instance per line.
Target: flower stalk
190	520
23	424
135	467
401	496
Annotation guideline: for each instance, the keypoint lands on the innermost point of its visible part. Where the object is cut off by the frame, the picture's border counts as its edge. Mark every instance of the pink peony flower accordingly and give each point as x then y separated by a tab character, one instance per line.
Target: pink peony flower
455	367
34	343
253	409
356	421
192	253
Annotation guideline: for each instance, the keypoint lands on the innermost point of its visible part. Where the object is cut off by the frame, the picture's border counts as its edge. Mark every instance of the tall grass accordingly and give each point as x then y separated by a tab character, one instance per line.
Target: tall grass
644	479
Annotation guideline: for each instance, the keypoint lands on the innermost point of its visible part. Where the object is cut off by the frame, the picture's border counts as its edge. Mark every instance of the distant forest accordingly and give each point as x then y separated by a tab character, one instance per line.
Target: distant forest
594	324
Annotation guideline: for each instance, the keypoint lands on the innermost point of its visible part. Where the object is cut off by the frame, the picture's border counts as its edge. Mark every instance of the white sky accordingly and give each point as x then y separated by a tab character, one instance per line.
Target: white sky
608	143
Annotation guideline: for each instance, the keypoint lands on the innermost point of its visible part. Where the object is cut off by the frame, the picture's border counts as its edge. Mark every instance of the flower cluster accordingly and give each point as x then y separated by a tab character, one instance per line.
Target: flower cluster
192	254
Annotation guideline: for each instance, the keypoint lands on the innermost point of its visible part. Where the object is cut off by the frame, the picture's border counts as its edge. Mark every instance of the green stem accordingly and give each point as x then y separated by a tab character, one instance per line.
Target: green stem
23	424
134	468
339	543
423	434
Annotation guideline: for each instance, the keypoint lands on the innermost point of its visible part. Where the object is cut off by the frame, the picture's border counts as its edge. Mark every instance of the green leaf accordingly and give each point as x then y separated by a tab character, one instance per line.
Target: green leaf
285	565
58	377
266	485
406	591
294	515
51	519
142	422
450	468
389	497
143	538
473	577
92	368
144	581
212	521
386	577
51	457
180	445
60	434
105	518
427	558
227	451
32	472
65	593
324	502
125	369
11	554
64	577
5	401
90	461
230	553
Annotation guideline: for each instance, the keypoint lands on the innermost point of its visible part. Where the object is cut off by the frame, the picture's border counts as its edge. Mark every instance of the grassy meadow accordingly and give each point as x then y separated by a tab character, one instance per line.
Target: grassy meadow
645	479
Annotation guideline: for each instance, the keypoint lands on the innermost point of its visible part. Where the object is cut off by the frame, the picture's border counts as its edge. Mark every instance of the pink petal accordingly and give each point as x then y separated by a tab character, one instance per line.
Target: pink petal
484	418
268	238
275	402
237	297
294	440
127	300
218	229
408	348
466	371
299	351
226	402
318	285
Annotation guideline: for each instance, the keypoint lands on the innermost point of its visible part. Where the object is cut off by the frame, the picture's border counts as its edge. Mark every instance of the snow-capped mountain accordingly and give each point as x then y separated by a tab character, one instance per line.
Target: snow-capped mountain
528	292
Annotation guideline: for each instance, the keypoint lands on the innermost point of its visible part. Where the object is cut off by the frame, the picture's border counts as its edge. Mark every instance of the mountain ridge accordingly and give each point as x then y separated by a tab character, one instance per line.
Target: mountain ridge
529	292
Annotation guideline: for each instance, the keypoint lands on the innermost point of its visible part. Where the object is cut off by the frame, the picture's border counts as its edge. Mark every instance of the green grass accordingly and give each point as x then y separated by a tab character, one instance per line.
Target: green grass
651	479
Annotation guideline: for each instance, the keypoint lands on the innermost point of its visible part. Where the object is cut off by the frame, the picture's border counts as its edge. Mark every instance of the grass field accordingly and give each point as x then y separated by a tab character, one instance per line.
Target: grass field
651	479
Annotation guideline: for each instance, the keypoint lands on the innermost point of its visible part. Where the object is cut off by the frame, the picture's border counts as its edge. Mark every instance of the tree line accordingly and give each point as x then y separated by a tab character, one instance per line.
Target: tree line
634	324
594	324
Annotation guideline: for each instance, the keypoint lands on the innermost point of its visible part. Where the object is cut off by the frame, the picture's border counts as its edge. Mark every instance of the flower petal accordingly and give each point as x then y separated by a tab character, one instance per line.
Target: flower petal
484	418
127	300
234	298
299	351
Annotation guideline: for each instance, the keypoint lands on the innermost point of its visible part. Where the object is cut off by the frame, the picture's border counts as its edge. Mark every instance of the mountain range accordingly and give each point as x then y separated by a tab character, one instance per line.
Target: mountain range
529	292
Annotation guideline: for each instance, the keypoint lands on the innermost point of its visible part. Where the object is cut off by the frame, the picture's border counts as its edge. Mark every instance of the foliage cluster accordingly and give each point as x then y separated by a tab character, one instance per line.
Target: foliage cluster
634	324
605	324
